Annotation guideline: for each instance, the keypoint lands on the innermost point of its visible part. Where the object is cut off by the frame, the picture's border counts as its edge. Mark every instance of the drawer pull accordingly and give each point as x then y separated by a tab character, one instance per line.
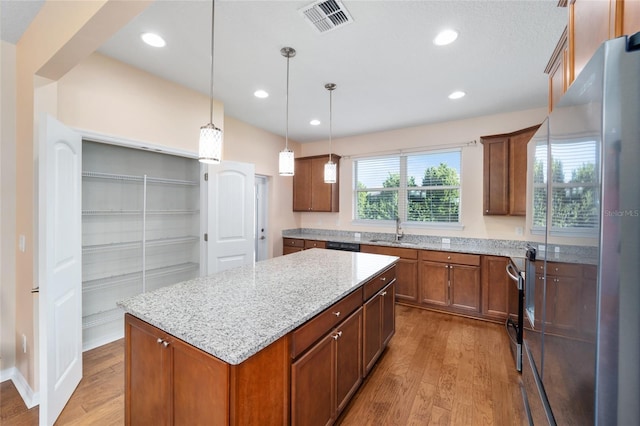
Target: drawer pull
384	293
449	257
337	335
159	340
165	343
383	279
337	313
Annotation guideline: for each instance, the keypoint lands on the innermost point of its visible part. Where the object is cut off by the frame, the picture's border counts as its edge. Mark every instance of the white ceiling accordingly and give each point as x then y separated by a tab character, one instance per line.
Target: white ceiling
388	72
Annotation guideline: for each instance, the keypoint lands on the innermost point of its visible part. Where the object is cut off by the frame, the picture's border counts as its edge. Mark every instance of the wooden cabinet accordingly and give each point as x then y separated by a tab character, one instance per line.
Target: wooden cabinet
169	379
495	288
293	245
505	172
169	382
327	375
589	24
406	270
450	281
310	192
379	325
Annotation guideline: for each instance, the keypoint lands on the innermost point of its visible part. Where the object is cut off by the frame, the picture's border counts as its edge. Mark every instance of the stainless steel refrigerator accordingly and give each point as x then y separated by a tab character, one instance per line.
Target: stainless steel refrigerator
582	323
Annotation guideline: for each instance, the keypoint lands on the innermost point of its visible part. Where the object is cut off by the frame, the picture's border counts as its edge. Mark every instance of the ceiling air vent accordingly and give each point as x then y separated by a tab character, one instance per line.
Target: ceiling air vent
326	15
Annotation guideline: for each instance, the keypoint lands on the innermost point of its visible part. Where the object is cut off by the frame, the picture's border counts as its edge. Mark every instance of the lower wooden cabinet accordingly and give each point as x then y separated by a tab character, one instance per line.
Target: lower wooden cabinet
169	379
450	281
327	375
496	303
379	325
406	270
293	245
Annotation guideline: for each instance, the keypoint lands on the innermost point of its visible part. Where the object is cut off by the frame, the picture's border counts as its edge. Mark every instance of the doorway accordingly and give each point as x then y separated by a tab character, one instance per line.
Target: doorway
261	206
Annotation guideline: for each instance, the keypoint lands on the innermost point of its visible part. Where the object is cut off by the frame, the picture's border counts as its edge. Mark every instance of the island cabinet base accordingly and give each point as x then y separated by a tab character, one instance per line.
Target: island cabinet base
169	382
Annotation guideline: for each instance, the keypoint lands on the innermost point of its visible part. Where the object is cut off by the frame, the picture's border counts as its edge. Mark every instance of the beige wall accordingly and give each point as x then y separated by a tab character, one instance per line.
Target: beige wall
432	136
7	205
106	96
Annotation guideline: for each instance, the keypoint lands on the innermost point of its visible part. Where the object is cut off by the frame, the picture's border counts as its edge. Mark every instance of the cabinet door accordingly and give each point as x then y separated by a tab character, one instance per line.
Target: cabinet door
313	386
146	374
372	341
434	279
588	308
407	280
348	358
496	179
321	192
199	391
566	303
518	171
302	186
388	313
589	26
495	287
465	287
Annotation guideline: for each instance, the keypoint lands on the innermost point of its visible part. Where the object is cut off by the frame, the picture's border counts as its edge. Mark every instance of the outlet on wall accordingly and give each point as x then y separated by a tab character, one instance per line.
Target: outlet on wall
24	343
519	231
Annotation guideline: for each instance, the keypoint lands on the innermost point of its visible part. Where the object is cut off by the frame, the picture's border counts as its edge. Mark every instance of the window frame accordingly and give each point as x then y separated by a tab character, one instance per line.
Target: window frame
403	191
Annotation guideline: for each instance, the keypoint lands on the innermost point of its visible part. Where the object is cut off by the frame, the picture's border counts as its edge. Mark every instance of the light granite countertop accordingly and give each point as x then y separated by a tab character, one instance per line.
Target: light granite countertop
234	314
507	248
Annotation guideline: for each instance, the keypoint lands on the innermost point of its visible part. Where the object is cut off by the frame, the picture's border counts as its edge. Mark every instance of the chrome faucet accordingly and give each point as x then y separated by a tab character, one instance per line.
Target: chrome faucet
399	231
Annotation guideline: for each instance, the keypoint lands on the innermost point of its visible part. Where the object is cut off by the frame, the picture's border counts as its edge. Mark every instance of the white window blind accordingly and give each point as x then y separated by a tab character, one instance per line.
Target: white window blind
418	188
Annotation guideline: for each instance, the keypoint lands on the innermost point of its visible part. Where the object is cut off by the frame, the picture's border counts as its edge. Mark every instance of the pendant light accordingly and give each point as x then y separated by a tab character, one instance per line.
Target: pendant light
210	146
330	168
286	161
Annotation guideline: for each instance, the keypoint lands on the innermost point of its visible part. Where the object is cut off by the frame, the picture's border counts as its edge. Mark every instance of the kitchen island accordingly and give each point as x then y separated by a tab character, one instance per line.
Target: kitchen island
284	340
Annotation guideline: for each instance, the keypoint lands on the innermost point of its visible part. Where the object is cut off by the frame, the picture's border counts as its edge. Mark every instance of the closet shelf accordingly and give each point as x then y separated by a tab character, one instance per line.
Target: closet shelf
150	179
103	317
136	277
137	212
138	244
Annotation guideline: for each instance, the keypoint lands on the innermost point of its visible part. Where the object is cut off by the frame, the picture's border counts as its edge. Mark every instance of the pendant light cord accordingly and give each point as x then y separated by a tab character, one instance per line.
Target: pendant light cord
330	121
286	128
213	14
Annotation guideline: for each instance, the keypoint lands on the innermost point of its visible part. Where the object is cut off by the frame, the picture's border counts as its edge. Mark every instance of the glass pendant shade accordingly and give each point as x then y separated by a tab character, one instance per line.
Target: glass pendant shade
330	172
286	162
210	148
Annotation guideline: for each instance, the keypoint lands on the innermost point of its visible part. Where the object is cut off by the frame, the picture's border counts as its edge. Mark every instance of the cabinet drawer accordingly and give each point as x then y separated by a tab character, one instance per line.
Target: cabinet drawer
564	269
403	253
450	257
309	244
293	242
321	324
374	285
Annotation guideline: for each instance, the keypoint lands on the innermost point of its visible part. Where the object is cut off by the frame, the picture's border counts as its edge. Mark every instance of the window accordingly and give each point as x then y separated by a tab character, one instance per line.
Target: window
419	188
574	188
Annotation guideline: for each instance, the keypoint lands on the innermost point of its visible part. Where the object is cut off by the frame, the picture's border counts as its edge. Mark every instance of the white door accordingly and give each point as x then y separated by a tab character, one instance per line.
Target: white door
230	224
60	265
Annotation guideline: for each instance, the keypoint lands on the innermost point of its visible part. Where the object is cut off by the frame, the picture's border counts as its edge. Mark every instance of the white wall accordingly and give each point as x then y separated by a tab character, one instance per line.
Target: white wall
7	207
432	136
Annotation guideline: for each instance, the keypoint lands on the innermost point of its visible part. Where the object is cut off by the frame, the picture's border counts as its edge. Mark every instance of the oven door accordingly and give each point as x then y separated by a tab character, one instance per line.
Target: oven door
514	325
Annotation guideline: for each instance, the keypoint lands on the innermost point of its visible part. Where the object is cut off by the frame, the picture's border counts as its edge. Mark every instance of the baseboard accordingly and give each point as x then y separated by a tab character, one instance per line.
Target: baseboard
30	398
87	345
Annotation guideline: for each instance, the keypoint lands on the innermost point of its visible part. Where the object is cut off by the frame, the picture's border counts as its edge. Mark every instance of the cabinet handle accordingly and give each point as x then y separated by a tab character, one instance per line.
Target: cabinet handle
384	293
449	257
159	340
486	211
165	343
337	313
337	335
383	279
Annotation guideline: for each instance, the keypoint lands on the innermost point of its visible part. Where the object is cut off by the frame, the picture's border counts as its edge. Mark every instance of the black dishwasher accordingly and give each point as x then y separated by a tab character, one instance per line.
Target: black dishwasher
338	245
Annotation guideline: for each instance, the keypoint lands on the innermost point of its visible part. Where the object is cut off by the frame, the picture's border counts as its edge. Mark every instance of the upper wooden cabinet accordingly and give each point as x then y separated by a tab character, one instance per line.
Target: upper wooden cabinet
505	172
310	193
589	24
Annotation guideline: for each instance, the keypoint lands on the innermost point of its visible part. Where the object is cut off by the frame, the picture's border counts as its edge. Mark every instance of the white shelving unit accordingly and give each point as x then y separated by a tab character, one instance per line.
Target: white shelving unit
140	230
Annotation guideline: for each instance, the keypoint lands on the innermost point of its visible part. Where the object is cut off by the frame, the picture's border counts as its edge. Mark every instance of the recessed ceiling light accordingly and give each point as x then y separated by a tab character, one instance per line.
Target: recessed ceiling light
260	94
457	95
153	39
314	122
445	37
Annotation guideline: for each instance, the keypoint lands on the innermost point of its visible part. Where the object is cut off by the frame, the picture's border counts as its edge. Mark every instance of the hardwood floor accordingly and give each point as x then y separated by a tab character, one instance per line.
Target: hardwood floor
438	369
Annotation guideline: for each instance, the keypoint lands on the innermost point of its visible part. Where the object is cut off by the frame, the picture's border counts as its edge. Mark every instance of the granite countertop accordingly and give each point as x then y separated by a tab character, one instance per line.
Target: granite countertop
234	314
507	248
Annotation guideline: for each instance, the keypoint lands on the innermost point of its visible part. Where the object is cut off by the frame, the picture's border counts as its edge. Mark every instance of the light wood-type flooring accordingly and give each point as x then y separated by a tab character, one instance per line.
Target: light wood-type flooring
439	369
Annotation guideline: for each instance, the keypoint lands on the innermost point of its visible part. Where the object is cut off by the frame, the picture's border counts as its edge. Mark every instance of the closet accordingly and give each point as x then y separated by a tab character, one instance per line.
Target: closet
140	230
